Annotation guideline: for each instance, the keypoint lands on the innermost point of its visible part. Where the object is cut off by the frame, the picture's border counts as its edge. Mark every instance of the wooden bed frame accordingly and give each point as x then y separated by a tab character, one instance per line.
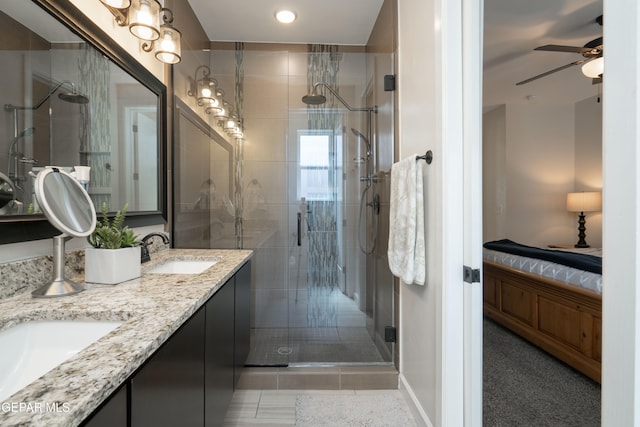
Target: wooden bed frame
564	320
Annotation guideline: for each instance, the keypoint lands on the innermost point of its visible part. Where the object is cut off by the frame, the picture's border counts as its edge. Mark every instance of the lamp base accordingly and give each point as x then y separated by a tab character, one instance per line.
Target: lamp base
581	232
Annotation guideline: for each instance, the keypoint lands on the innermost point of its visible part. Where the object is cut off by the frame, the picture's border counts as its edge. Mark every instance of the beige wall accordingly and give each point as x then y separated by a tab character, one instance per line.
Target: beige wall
494	182
420	341
589	161
532	156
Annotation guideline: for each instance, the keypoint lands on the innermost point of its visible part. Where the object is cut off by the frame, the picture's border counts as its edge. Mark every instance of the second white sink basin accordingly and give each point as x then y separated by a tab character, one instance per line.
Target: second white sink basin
31	349
182	267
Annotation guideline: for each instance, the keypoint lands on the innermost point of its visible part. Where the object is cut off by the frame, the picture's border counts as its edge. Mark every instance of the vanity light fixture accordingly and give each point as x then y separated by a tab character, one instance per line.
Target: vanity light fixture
204	87
222	113
285	16
143	18
168	46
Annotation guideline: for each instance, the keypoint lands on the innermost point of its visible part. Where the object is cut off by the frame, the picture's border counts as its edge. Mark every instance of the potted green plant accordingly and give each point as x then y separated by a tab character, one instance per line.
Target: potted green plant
114	255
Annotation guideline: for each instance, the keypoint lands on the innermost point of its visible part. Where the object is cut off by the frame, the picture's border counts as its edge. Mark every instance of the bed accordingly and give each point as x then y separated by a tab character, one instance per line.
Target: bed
555	306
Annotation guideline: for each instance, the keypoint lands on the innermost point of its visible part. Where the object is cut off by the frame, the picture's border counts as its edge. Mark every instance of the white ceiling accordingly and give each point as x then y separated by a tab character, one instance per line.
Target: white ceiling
513	28
347	22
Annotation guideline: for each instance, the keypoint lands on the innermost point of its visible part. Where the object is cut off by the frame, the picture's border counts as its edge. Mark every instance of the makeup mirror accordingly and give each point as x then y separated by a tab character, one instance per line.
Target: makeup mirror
68	207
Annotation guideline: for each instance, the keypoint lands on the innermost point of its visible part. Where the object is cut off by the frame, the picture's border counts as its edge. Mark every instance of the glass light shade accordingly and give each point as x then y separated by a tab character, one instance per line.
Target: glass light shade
168	48
206	92
144	19
223	112
594	68
230	123
212	109
586	201
117	4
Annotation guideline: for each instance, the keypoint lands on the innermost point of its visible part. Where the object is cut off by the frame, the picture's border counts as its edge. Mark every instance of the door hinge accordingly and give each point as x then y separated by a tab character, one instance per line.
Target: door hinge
471	275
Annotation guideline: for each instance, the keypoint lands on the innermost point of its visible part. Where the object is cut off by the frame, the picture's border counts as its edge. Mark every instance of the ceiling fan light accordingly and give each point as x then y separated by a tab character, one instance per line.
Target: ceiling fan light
594	69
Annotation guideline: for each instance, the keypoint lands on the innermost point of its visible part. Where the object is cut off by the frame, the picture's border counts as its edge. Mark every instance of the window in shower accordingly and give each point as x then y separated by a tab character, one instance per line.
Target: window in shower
314	165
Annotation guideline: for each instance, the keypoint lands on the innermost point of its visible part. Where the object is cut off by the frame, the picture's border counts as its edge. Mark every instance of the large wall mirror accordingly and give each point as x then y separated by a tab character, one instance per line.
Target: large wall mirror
203	211
72	98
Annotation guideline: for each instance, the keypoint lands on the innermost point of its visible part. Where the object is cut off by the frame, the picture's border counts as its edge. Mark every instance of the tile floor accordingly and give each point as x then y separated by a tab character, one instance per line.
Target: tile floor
277	408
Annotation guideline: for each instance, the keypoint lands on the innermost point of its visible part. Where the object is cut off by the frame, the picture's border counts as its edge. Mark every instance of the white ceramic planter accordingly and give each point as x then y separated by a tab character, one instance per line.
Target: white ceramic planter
111	266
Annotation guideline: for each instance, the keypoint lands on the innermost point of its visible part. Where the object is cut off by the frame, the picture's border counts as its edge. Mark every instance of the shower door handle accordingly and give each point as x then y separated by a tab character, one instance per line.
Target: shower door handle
299	229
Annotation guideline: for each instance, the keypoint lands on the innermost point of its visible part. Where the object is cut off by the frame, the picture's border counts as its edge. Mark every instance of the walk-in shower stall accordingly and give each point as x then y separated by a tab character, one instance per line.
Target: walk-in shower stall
308	186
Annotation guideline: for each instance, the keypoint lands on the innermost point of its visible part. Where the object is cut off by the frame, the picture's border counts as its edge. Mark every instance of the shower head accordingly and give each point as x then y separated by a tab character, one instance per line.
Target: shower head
314	98
73	97
363	138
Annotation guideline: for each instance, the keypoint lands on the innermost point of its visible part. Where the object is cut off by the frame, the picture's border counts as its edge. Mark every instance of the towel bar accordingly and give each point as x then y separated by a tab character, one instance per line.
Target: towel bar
428	157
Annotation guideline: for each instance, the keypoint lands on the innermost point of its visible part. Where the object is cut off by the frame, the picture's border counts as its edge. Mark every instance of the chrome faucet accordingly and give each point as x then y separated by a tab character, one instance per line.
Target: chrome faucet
144	253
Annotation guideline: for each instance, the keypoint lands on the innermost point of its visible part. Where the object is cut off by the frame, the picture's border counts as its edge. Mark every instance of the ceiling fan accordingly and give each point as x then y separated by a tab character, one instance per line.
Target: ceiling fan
591	63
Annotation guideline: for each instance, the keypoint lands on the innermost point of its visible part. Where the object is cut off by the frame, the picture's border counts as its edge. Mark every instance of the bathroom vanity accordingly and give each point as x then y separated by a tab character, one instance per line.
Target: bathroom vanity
174	360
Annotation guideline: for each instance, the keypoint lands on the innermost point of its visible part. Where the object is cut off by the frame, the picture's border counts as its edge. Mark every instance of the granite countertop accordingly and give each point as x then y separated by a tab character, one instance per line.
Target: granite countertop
151	308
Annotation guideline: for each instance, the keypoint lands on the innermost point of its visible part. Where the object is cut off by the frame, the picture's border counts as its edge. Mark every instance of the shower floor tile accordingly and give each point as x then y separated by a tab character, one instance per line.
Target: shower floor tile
280	347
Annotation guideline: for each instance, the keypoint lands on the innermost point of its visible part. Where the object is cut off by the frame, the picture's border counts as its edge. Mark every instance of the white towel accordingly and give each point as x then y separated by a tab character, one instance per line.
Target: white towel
406	253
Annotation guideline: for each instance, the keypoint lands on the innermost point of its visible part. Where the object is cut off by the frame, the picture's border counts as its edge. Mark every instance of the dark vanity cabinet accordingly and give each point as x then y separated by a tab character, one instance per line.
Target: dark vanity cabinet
113	412
242	319
219	351
190	379
168	390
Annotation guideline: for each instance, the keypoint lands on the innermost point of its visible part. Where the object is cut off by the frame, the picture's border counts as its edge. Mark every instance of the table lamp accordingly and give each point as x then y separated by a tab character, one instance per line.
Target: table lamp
586	201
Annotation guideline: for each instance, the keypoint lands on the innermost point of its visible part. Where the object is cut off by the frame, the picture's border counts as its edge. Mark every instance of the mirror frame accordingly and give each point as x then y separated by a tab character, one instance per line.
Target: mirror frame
22	228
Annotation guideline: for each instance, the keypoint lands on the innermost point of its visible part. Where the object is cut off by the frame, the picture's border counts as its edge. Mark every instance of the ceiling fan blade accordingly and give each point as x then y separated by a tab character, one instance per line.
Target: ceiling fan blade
555	70
560	48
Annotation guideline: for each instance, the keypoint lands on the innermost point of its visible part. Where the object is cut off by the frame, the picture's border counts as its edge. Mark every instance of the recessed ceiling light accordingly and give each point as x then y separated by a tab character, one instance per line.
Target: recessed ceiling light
285	16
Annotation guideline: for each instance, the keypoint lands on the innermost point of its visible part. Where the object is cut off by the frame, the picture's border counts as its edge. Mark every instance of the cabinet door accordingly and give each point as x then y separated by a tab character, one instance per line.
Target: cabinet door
169	389
112	413
242	319
219	354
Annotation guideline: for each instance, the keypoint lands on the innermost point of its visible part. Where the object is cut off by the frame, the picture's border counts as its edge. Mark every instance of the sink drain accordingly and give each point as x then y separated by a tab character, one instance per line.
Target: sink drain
284	350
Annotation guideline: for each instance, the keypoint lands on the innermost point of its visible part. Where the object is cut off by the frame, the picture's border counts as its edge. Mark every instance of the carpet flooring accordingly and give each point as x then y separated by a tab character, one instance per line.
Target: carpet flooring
525	386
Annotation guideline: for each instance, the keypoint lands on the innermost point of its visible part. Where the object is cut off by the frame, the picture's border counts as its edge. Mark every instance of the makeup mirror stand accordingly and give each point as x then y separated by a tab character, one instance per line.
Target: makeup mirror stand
59	286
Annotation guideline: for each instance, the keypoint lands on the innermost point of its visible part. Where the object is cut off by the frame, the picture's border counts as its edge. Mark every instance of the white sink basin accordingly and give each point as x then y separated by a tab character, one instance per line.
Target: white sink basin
182	267
31	349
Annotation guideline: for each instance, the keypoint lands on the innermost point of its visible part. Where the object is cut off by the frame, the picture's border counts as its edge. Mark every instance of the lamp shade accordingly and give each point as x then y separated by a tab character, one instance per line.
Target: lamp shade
586	201
169	49
144	19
